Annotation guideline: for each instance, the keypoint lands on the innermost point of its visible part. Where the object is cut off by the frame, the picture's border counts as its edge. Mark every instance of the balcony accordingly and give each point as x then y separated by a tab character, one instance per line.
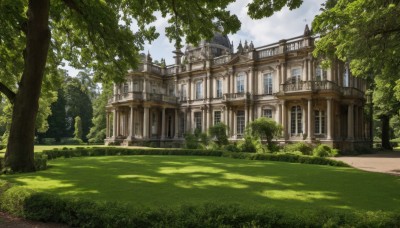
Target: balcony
237	96
140	96
316	86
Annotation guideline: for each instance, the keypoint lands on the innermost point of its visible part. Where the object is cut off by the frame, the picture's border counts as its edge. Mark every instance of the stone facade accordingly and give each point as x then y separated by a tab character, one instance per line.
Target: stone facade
212	83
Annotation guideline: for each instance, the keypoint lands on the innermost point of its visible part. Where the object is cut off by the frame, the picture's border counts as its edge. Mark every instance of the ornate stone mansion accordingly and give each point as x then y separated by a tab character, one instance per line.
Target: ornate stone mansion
212	83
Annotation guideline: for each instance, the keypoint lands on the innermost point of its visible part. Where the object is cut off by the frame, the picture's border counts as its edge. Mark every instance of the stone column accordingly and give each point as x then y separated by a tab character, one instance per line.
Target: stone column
310	134
118	125
251	116
163	124
310	70
246	115
176	124
146	115
131	123
350	122
107	125
278	79
189	92
188	121
114	123
208	118
329	118
284	119
250	80
278	114
204	120
356	122
234	120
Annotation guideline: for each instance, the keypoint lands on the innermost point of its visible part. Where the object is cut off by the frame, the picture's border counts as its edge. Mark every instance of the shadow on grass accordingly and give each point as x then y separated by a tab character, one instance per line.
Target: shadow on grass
174	180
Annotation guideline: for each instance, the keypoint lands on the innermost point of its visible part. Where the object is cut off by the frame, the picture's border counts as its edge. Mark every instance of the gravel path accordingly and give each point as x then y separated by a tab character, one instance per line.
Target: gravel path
385	162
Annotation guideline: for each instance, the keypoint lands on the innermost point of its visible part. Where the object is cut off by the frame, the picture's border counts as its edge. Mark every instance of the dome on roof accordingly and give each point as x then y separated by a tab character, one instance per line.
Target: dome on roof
221	40
217	39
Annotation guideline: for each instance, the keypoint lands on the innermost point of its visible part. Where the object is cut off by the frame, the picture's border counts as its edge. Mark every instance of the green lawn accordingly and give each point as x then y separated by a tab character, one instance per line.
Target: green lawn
173	180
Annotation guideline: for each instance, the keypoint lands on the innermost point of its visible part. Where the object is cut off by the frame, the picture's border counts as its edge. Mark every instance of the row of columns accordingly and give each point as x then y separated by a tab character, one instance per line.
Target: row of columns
122	123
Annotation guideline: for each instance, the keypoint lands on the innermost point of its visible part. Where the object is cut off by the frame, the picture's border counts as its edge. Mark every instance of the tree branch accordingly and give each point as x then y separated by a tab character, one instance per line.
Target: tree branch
72	5
8	92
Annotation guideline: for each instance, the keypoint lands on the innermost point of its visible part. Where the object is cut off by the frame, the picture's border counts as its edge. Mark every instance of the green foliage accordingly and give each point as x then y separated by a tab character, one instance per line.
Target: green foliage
57	119
345	28
301	147
218	131
78	128
88	213
324	151
198	140
249	144
78	103
97	132
265	128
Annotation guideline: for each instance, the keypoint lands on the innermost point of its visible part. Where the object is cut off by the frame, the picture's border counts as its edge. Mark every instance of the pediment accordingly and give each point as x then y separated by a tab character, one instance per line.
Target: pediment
238	59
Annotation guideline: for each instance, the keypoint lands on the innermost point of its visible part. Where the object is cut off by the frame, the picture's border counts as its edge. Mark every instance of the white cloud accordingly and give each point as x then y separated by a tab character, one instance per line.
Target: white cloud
282	25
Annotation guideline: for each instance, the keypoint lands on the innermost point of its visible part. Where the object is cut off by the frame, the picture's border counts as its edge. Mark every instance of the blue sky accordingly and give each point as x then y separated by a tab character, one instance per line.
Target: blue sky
281	25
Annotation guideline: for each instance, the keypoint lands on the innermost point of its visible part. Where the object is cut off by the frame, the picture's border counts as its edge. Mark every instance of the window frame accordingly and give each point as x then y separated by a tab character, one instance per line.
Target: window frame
240	83
267	83
296	120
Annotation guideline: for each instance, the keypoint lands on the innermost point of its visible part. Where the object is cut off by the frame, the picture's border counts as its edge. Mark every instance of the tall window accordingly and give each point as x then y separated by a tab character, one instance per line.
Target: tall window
240	124
346	77
153	124
319	124
199	90
197	120
126	87
267	113
171	90
183	92
217	117
268	83
219	88
320	74
296	74
135	86
240	83
296	120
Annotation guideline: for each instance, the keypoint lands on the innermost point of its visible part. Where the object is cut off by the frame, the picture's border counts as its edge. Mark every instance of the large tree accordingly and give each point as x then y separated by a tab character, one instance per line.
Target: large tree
366	34
91	34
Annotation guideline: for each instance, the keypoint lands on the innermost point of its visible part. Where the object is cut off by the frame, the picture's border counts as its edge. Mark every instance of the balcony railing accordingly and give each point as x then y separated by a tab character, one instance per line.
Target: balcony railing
320	85
237	96
140	96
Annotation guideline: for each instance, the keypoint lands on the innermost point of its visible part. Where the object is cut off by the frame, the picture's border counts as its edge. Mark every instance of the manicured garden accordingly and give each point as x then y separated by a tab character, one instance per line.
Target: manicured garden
120	187
173	180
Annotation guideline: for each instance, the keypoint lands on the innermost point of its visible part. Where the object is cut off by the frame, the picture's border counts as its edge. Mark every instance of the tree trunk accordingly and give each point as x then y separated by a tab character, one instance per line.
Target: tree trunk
385	133
19	155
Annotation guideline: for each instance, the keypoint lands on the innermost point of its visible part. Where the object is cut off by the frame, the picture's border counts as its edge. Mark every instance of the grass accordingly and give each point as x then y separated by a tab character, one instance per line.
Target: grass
173	180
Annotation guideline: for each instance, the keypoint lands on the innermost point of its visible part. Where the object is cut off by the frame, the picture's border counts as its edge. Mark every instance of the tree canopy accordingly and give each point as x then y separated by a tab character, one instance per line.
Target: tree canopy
105	37
366	34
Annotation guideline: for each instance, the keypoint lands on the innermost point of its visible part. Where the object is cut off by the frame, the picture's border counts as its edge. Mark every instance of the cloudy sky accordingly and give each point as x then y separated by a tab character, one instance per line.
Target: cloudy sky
282	25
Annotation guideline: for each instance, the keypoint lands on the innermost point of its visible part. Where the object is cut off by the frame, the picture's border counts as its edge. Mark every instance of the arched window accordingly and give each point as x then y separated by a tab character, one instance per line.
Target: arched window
296	120
346	77
126	87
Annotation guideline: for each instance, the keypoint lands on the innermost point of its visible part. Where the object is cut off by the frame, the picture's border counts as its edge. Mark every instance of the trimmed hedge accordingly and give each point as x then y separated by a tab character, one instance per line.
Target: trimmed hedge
112	151
88	213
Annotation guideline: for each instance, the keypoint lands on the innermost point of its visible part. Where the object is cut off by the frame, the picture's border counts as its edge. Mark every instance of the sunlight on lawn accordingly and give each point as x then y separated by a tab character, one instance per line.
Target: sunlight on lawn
156	181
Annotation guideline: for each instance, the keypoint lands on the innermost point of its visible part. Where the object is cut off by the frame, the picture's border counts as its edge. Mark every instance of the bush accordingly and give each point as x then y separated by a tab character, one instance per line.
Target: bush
71	141
49	141
304	148
249	144
76	212
2	146
324	151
